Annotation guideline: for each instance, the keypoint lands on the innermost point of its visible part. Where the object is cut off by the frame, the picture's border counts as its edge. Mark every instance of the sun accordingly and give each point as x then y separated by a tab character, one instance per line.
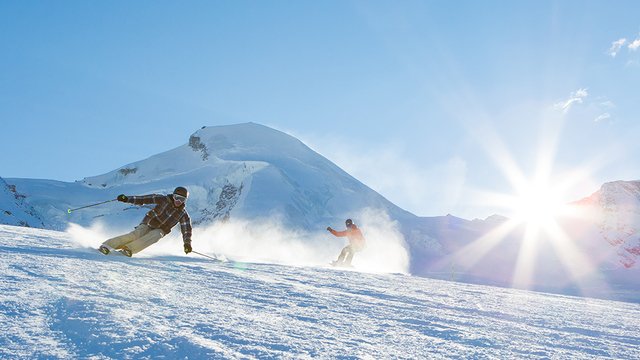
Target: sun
534	197
532	189
537	208
538	204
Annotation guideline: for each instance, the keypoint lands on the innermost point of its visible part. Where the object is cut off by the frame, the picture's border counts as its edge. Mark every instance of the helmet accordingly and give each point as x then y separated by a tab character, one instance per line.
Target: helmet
181	191
349	222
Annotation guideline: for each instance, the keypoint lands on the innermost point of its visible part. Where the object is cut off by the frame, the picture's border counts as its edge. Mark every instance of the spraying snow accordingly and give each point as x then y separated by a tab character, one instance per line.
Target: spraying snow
267	240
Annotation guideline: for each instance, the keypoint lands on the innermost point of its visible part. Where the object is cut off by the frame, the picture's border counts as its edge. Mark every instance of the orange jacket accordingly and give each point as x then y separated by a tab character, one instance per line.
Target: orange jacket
353	233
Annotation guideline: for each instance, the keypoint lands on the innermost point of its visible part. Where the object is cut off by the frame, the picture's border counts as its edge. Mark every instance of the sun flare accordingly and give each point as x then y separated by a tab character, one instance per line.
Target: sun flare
538	204
538	213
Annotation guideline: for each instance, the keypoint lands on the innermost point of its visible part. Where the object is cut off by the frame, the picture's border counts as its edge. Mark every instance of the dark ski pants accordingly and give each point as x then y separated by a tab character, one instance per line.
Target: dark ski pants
139	239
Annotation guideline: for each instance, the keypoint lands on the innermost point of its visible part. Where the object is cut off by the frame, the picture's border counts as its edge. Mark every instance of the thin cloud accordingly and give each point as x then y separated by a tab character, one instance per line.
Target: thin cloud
575	98
634	45
603	117
616	46
607	104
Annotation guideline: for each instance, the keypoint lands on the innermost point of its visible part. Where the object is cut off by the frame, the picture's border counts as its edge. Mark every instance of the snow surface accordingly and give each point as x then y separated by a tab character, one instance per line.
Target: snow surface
59	299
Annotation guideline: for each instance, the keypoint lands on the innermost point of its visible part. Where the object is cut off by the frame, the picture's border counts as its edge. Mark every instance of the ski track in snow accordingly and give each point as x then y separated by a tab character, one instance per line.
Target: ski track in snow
59	301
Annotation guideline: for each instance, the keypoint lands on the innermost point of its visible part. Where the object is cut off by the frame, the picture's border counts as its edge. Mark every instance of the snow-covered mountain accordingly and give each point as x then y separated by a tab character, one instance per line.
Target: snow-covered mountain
59	300
284	195
615	209
244	171
14	210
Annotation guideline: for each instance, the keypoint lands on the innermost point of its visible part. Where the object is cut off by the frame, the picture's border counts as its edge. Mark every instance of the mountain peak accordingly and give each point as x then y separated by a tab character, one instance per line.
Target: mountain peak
255	140
617	207
628	187
248	170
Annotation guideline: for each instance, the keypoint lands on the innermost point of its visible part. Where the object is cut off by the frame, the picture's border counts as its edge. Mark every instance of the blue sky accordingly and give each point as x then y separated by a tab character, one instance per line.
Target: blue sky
431	103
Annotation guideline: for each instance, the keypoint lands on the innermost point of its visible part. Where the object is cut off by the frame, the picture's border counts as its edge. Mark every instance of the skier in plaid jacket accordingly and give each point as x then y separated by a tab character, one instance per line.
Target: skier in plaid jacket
169	211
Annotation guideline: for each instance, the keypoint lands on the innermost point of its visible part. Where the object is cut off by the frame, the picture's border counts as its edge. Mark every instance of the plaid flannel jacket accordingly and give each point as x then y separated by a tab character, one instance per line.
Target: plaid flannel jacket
164	215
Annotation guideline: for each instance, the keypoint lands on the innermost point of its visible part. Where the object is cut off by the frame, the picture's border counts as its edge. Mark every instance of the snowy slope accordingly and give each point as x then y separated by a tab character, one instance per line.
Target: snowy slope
59	300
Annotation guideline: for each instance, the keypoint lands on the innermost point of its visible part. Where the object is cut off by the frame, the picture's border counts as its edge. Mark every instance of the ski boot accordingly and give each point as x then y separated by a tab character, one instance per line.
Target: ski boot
103	249
125	251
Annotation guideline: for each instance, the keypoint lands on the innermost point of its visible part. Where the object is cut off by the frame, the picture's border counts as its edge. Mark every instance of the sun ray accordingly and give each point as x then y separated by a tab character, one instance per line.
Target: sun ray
525	264
573	259
536	202
500	154
469	255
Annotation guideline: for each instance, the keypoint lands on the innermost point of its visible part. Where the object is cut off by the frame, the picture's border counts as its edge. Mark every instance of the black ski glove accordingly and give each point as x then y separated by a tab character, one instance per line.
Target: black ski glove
123	198
187	247
329	228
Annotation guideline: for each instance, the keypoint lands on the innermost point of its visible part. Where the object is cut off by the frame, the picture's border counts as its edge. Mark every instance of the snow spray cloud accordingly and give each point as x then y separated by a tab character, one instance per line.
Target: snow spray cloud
90	237
386	250
268	240
258	240
263	240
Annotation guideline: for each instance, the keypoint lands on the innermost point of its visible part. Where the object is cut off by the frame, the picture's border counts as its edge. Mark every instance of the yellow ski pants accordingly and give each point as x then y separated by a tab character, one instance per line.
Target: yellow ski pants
139	239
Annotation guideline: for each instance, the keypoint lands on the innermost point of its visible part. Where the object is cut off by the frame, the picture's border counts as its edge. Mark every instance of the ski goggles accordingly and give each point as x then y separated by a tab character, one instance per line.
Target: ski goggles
179	198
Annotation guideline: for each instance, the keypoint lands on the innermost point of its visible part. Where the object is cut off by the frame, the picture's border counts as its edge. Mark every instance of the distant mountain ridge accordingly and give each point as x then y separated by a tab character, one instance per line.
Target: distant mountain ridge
249	171
14	210
616	213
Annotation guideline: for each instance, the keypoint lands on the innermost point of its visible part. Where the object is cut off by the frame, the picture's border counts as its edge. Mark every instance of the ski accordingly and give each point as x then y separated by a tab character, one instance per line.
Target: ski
106	250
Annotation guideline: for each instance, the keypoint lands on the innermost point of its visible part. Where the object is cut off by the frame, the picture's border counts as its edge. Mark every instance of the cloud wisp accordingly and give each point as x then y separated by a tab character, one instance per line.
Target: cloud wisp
603	117
599	109
616	46
576	97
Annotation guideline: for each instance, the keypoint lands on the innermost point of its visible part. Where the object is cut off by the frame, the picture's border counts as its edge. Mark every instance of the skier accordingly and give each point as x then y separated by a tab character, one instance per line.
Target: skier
169	210
356	243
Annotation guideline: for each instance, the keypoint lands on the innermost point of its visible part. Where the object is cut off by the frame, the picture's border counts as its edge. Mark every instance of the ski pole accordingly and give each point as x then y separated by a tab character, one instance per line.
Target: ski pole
207	256
82	207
